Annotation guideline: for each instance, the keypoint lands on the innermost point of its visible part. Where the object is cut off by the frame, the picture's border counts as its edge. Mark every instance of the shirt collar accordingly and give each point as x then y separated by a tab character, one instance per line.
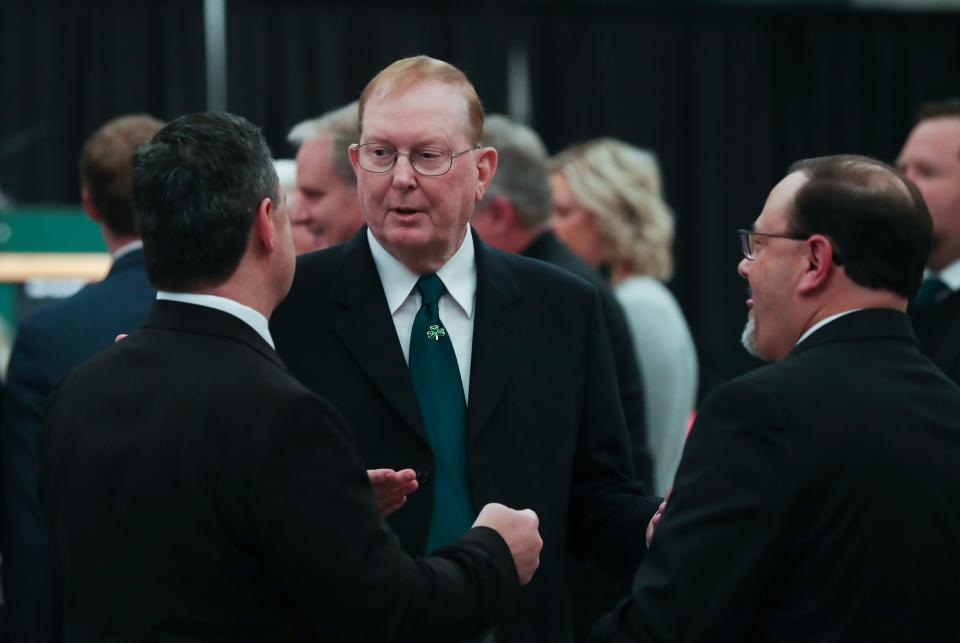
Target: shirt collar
127	249
253	318
823	322
949	275
459	275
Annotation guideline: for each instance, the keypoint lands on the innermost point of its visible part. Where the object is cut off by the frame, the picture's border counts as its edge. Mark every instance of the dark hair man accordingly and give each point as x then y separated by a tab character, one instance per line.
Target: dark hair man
195	490
488	373
49	343
781	524
931	159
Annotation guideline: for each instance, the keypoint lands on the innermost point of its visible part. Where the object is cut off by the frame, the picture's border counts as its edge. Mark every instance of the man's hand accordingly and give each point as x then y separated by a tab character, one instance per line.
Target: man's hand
392	488
520	529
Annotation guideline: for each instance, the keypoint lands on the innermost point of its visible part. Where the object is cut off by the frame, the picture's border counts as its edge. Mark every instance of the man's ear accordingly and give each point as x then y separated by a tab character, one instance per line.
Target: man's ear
352	152
89	207
263	230
819	257
486	168
502	215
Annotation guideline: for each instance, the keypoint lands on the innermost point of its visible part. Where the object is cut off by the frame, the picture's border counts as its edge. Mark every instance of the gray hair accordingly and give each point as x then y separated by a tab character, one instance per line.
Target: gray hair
620	185
521	176
342	126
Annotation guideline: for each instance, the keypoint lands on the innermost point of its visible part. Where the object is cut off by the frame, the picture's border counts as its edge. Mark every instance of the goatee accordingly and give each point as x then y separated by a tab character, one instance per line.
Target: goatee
749	337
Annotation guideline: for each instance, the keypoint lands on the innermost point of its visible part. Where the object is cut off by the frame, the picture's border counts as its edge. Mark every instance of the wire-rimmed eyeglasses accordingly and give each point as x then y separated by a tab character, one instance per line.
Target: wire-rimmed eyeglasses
380	158
748	247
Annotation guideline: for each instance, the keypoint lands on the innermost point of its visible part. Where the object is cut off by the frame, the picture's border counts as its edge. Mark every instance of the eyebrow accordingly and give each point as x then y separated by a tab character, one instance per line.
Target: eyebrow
433	140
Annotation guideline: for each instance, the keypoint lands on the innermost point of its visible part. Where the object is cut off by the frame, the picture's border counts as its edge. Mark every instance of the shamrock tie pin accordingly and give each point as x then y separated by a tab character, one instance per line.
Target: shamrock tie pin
435	332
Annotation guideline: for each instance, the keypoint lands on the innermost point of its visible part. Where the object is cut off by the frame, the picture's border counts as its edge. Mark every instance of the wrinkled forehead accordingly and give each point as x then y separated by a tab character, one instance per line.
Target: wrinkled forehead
424	110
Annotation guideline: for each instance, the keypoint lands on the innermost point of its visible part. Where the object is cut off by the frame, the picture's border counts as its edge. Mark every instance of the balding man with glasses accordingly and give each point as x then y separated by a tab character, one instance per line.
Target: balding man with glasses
818	497
489	374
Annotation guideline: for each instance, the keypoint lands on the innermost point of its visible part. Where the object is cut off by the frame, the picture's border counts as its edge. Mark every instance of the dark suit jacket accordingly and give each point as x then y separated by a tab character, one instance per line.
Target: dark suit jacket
544	424
197	492
938	331
49	343
818	499
546	247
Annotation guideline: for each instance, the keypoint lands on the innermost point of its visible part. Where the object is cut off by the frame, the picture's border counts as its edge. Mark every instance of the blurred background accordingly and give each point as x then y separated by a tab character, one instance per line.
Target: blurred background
727	94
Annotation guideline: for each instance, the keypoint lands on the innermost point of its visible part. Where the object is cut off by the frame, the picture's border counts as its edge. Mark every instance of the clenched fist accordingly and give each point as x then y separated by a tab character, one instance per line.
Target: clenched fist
520	529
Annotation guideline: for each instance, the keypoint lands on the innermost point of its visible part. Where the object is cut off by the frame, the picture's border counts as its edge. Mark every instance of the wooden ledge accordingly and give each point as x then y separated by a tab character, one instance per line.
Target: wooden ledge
18	267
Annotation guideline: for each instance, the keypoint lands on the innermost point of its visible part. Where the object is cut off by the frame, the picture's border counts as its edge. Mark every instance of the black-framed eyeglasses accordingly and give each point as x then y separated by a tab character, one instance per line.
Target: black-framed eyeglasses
428	161
749	248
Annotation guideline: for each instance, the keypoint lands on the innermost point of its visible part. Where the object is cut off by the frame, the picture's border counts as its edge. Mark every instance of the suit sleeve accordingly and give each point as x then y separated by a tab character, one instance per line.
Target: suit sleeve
324	538
721	537
630	383
30	571
609	511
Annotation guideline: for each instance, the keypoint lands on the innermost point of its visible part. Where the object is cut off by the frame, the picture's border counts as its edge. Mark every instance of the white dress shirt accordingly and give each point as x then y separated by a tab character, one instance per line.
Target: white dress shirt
949	275
459	276
126	249
252	318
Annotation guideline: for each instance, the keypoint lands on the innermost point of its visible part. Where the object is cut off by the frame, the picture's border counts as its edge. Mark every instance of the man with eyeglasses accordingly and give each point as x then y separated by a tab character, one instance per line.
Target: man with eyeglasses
489	374
818	497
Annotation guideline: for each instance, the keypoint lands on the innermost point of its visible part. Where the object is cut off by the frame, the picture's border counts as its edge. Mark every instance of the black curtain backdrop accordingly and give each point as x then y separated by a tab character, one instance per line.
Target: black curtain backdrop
727	97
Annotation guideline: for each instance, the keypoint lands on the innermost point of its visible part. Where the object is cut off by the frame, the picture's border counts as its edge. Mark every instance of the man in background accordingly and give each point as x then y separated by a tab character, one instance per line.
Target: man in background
49	343
513	216
195	490
783	521
325	207
931	159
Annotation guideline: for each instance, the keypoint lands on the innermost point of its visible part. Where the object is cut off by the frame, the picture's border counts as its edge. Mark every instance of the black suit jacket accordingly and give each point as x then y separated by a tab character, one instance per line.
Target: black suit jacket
544	424
818	499
938	331
197	492
49	343
546	247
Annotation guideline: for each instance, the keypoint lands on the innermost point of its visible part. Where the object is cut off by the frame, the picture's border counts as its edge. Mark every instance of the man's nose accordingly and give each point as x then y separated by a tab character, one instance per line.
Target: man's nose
743	266
404	176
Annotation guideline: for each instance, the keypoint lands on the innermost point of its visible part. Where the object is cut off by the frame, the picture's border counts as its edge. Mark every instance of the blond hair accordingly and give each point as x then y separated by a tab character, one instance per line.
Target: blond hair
407	72
620	185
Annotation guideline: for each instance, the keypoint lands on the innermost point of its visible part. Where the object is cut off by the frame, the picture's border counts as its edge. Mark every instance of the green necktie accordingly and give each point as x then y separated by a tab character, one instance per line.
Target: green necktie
436	381
932	290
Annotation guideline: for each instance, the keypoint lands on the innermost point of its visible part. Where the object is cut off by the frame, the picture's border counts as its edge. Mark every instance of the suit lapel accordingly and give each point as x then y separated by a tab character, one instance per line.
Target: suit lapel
497	336
365	315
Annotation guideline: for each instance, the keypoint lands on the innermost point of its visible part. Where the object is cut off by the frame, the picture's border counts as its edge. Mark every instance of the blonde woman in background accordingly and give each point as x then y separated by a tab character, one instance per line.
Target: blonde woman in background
609	209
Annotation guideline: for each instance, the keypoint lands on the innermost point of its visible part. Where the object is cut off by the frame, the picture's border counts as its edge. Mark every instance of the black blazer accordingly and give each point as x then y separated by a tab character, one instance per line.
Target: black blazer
938	331
49	343
544	424
546	247
197	492
818	499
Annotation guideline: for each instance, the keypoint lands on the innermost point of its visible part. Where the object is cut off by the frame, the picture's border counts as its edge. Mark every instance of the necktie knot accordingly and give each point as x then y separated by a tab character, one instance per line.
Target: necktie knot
431	289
